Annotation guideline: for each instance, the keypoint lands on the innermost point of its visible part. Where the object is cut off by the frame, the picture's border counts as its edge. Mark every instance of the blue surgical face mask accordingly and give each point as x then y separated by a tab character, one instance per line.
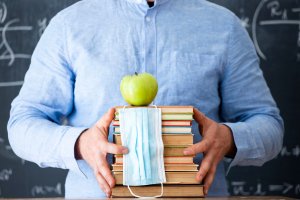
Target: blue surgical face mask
141	133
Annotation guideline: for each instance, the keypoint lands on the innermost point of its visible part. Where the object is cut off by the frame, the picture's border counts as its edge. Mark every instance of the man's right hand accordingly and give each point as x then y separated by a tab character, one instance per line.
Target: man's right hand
93	146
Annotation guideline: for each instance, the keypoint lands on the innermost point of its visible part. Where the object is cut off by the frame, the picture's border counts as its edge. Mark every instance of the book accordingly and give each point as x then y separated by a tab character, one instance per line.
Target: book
165	123
171	177
165	109
168	167
168	139
173	150
152	190
174	117
168	129
177	117
167	159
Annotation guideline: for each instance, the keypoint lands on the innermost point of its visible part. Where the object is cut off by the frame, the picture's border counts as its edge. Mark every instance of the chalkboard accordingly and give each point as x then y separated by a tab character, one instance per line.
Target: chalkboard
274	26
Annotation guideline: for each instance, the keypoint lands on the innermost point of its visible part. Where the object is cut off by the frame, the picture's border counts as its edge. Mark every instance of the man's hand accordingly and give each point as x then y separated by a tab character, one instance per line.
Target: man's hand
93	146
217	142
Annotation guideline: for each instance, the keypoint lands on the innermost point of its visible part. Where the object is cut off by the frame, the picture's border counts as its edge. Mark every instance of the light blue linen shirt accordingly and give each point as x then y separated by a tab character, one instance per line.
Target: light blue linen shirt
198	51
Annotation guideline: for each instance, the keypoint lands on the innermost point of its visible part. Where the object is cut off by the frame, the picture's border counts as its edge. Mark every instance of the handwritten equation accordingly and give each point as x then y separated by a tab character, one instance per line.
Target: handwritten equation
5	174
278	16
44	190
259	189
7	51
2	144
290	151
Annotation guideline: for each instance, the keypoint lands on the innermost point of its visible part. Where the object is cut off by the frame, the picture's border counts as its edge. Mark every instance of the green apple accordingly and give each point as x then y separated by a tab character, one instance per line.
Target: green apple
139	89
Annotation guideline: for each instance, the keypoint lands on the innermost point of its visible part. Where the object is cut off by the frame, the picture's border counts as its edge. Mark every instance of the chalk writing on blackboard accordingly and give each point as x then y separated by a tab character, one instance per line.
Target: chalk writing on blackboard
2	143
6	50
239	188
5	174
41	190
9	84
278	16
7	147
284	188
288	151
42	24
259	189
245	20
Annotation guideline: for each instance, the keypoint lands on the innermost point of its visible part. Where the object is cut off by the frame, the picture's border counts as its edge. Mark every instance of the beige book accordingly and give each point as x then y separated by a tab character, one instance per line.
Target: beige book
171	177
166	109
168	167
153	190
174	117
174	150
168	139
169	129
166	123
167	159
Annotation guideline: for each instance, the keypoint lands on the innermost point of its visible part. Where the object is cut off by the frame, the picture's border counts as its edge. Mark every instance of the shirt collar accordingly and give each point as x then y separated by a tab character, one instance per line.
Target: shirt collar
144	2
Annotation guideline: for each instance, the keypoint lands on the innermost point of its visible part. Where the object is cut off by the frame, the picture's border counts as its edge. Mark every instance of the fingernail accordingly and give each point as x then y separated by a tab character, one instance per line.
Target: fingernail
108	194
187	152
124	150
199	178
205	191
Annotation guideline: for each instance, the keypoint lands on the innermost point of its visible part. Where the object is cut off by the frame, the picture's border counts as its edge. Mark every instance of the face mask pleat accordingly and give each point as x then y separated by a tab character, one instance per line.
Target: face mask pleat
140	149
146	144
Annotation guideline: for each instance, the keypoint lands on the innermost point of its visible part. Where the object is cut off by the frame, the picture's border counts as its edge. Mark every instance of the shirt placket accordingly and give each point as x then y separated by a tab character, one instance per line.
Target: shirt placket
150	41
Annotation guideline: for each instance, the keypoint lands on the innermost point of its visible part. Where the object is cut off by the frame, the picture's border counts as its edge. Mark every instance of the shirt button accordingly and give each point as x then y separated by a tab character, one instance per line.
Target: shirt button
148	19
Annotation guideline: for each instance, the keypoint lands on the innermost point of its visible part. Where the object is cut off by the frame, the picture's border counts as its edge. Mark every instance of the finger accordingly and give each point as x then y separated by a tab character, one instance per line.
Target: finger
103	168
199	147
199	116
113	148
106	119
209	178
103	184
205	166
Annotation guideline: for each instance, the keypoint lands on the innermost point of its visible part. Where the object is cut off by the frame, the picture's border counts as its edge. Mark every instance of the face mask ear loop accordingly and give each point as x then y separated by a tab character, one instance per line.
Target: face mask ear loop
137	196
124	165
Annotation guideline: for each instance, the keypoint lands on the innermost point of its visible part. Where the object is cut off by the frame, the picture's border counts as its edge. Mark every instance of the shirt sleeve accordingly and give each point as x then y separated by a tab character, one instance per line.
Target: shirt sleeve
35	129
248	107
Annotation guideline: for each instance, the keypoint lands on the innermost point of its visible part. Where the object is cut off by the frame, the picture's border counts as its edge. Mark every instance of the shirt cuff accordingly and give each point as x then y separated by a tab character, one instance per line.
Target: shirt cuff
240	132
67	151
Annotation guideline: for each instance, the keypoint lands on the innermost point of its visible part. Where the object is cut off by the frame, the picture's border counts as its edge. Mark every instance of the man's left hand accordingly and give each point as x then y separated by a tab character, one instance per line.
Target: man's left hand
217	142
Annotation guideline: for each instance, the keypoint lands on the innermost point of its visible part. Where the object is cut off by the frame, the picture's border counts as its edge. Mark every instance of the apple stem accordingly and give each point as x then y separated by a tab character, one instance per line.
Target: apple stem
136	73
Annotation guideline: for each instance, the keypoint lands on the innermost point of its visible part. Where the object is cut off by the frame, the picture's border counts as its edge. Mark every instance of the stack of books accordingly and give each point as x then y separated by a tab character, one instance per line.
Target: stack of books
180	169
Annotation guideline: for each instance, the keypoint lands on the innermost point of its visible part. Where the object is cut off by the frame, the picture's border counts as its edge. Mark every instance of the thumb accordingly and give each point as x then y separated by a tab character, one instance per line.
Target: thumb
106	119
199	116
